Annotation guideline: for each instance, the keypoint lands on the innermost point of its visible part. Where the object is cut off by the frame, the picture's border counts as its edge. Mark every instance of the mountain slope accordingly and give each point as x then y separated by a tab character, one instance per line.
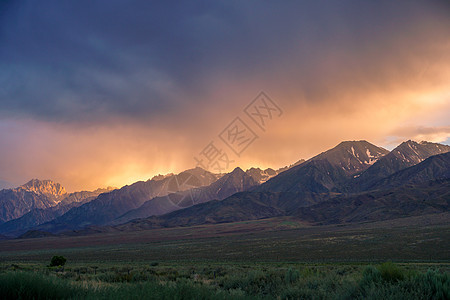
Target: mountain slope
16	203
241	206
434	168
353	156
405	155
398	202
420	189
328	171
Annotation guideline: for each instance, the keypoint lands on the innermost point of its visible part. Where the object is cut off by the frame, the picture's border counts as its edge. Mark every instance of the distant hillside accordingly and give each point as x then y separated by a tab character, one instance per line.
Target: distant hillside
227	185
238	207
420	189
405	201
109	206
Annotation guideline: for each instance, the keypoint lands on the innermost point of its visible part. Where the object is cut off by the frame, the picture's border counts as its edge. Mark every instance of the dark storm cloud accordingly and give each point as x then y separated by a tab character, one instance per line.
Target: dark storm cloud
86	60
97	93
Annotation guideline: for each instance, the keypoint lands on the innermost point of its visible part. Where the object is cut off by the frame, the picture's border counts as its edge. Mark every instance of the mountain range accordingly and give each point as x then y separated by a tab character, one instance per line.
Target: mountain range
311	192
158	196
39	215
355	181
227	185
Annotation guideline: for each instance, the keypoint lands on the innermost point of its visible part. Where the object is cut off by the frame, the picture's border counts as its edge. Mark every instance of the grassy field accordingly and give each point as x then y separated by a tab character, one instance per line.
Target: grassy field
273	258
281	239
225	281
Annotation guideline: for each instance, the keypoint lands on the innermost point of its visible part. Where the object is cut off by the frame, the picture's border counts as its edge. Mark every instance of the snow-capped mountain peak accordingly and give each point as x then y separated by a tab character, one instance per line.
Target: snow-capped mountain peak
353	156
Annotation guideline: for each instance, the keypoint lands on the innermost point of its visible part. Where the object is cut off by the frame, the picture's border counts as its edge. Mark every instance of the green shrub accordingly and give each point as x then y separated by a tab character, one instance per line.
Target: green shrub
433	284
391	272
58	261
21	285
292	276
254	283
371	275
389	282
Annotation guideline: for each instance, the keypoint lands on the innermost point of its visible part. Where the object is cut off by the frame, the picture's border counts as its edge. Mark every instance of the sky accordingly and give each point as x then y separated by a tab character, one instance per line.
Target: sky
106	93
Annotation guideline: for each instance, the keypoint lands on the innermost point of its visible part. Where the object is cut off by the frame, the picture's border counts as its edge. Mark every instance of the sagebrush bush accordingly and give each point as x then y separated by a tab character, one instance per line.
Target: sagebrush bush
433	284
254	282
371	275
389	282
292	276
391	272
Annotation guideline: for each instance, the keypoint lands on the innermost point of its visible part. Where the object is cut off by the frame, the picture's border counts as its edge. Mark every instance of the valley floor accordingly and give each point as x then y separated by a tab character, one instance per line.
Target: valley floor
424	238
279	258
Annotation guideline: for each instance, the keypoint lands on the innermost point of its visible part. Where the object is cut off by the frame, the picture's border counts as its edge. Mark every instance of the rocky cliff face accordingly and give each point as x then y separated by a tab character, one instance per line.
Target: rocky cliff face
14	203
44	187
38	194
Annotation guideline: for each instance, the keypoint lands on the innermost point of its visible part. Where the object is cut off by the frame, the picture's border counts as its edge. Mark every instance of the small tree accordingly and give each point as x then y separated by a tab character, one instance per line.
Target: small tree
58	261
